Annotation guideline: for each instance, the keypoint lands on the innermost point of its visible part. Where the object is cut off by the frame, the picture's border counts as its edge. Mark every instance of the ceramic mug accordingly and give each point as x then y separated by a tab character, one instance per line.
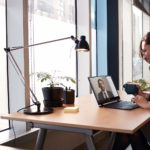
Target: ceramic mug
130	88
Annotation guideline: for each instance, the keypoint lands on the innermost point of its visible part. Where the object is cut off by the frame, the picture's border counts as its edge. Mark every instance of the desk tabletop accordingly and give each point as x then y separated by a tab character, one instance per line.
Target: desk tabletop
90	116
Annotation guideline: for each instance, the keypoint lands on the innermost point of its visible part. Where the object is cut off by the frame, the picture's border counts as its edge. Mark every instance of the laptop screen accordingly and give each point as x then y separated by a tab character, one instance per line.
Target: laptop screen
103	89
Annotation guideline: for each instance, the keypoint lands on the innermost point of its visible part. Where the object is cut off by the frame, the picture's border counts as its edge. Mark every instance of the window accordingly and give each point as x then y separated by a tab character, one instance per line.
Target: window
51	20
137	34
4	124
134	27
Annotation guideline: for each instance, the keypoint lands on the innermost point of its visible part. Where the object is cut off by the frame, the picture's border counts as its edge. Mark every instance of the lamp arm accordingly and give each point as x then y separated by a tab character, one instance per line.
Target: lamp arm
18	70
20	47
36	102
82	44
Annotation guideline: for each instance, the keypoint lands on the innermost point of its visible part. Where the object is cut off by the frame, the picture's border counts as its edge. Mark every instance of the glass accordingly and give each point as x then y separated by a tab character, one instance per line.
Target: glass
51	20
137	35
134	27
126	42
4	124
93	37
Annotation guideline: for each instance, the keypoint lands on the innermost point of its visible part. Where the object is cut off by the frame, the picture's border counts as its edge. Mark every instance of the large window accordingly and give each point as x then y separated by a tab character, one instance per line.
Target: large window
134	27
3	71
137	34
50	20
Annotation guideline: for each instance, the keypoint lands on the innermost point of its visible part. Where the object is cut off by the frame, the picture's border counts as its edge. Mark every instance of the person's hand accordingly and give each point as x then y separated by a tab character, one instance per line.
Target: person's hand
140	92
141	101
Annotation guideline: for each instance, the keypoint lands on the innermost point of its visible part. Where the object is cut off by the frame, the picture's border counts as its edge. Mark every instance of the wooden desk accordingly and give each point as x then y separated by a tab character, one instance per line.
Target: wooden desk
89	117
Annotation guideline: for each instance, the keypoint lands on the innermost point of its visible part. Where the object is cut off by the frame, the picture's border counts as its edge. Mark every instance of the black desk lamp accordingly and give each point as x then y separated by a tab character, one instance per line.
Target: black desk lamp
81	46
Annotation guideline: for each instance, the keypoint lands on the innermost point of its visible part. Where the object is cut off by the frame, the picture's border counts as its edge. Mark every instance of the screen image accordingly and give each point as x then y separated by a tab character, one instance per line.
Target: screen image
103	88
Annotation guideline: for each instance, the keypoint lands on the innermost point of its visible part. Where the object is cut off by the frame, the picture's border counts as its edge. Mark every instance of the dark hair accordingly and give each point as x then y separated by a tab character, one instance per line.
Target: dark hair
100	80
145	39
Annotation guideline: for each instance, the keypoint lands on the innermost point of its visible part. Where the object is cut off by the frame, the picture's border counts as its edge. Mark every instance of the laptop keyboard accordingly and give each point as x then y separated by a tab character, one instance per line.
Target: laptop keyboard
127	105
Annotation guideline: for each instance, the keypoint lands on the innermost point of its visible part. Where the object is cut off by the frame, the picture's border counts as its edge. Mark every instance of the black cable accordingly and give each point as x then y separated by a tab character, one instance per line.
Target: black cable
25	107
14	141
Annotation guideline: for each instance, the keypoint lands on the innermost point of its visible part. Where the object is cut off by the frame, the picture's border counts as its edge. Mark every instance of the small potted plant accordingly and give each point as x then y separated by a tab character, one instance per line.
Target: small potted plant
53	94
145	85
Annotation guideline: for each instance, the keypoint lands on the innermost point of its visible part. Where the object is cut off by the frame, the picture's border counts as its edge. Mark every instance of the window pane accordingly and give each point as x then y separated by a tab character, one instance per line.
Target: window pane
3	72
127	42
146	28
93	38
51	20
137	35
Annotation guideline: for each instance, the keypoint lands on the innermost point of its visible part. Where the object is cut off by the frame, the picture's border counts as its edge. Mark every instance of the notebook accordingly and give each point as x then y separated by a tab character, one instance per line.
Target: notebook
106	94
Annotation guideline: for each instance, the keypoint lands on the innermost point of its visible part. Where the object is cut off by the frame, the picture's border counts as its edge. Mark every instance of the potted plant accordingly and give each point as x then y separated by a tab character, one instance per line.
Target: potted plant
145	85
53	94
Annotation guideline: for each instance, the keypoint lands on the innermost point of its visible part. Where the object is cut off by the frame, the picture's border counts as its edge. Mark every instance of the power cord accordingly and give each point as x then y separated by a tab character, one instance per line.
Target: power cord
25	107
12	125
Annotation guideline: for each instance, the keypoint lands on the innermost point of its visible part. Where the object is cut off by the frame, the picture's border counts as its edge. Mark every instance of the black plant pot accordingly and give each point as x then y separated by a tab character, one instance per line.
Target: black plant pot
52	94
53	97
69	96
48	104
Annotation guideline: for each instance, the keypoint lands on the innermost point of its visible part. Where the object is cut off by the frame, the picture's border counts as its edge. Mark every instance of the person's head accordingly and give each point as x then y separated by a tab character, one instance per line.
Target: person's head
145	47
101	84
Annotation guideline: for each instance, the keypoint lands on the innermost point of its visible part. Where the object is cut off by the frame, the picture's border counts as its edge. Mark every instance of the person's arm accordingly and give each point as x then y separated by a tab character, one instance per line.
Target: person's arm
141	101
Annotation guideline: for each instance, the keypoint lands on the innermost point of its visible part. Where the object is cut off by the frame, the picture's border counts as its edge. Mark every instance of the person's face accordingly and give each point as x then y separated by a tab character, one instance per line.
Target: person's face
101	84
146	53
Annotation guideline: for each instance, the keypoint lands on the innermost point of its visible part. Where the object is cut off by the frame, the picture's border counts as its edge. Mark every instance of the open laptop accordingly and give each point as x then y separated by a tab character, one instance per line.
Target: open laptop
107	95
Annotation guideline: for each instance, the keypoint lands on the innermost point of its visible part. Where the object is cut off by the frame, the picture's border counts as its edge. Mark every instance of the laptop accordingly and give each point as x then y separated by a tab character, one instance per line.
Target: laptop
106	94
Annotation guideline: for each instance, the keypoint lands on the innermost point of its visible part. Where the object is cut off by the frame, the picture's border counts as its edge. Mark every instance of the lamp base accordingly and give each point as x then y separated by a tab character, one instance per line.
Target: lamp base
38	112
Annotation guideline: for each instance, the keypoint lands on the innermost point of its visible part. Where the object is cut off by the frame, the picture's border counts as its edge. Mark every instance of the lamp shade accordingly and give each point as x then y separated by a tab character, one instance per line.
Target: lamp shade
82	45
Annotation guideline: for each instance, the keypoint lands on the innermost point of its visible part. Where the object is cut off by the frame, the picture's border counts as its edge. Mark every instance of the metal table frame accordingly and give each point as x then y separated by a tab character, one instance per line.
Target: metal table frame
88	134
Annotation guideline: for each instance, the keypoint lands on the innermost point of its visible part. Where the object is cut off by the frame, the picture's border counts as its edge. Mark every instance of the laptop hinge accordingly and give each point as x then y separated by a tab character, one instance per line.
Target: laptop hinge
115	101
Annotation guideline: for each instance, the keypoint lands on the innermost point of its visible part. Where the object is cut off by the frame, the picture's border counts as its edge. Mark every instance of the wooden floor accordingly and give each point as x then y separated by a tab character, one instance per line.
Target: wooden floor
62	140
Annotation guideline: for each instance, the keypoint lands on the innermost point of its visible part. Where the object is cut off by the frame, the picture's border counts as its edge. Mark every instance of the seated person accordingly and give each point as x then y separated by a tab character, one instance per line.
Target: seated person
103	94
137	140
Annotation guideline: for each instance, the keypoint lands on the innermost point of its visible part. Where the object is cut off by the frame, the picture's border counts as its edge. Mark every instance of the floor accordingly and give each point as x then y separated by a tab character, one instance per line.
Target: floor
57	140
